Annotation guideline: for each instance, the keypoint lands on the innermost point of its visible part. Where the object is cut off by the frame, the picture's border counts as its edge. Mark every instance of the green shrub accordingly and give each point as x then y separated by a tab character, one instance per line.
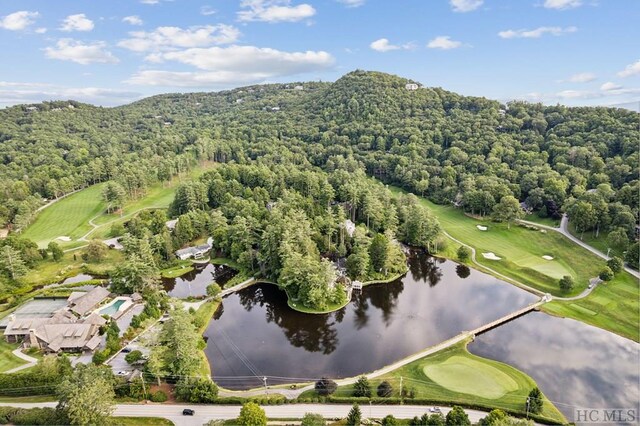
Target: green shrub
159	396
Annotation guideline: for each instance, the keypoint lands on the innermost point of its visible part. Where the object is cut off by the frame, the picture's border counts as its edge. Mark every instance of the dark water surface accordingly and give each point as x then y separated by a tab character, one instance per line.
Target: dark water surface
195	283
573	363
255	333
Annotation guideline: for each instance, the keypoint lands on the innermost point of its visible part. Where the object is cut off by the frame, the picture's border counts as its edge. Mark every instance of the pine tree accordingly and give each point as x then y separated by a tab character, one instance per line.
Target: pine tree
354	416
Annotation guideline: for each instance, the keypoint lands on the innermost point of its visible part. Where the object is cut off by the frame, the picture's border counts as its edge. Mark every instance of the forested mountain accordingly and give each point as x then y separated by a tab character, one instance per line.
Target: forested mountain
451	148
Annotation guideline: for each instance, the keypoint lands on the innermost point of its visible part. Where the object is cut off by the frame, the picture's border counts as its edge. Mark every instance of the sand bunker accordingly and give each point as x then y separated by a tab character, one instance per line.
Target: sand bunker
547	257
490	256
482	228
64	238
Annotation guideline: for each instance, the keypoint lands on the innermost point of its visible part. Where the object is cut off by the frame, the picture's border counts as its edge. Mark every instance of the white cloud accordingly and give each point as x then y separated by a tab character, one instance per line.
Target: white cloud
18	20
537	32
78	22
41	30
443	42
207	11
232	65
383	45
274	11
609	85
583	77
12	93
149	1
465	5
352	3
562	4
175	37
67	49
631	69
133	20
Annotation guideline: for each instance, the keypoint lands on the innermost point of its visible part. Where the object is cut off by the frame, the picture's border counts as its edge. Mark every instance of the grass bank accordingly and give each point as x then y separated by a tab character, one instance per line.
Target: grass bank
612	305
140	421
8	360
455	376
520	250
202	317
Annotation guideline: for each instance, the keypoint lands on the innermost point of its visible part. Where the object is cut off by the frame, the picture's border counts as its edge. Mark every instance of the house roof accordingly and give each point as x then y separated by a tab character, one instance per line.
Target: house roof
94	319
90	300
66	336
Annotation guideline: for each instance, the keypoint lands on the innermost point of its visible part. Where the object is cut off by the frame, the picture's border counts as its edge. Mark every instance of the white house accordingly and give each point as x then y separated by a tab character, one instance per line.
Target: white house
411	86
197	252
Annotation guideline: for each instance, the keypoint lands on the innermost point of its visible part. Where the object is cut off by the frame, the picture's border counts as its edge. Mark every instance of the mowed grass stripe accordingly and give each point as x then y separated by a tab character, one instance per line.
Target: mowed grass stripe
68	217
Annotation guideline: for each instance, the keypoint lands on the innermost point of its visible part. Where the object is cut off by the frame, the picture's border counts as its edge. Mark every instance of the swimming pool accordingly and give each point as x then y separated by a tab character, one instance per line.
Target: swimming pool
113	308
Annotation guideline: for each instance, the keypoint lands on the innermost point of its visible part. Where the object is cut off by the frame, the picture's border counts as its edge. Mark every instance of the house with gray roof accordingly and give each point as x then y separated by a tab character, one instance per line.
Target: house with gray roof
89	301
197	252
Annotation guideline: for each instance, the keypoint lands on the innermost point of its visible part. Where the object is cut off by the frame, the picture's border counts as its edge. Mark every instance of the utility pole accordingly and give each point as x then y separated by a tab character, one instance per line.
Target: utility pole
528	408
264	379
370	416
400	389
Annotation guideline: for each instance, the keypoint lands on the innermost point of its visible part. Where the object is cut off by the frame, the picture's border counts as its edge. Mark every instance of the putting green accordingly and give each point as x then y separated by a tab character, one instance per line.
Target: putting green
467	375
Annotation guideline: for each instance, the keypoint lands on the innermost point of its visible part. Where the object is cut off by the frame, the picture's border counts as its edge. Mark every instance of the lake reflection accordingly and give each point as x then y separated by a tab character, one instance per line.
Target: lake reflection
256	333
195	283
573	363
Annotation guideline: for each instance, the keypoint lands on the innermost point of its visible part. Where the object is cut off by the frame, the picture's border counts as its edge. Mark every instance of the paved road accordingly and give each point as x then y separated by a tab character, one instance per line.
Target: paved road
31	361
204	413
564	230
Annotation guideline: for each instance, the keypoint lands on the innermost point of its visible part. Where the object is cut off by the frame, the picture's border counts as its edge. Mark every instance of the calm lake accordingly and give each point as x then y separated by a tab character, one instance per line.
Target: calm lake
255	333
195	283
573	363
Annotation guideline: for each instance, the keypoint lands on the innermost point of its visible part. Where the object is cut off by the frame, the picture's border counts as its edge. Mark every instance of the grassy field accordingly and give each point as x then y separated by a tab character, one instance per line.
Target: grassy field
613	306
455	376
8	360
555	223
521	250
68	217
50	271
599	243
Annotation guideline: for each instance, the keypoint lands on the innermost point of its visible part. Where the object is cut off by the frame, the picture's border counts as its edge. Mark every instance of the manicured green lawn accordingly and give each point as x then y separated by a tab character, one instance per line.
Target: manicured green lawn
68	217
613	306
8	360
455	376
176	271
471	376
521	250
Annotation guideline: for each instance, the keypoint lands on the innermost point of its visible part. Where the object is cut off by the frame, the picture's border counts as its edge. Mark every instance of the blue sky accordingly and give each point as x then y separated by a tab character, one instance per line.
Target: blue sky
576	52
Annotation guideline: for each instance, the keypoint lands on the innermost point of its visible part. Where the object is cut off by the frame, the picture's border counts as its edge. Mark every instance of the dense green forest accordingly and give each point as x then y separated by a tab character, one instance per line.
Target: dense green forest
312	148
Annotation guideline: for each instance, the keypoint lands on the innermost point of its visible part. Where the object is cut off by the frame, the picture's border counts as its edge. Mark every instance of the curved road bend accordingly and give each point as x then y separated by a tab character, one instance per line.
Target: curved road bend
204	413
564	230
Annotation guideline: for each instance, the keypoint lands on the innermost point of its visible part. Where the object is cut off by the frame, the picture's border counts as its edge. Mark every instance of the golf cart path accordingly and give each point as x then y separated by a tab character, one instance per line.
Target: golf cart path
31	361
564	230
